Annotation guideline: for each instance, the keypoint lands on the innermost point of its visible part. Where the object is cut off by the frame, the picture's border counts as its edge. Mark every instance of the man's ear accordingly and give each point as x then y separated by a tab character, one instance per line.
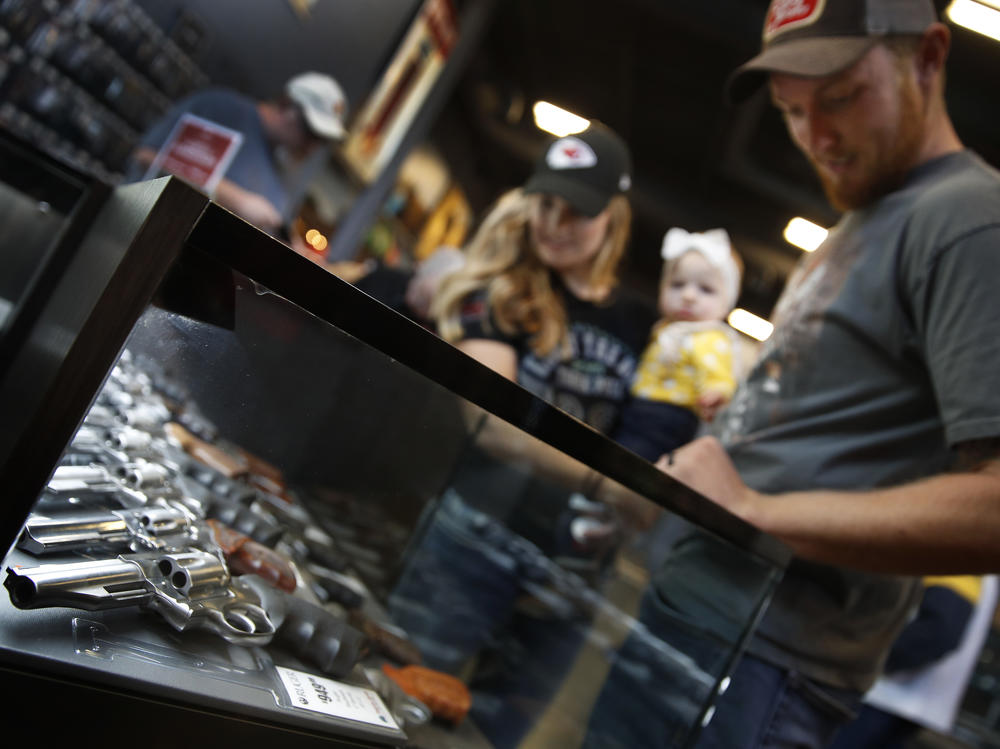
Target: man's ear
932	53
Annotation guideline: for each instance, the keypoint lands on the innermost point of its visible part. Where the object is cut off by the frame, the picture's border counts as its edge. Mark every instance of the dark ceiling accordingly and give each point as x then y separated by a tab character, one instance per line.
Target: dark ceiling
654	70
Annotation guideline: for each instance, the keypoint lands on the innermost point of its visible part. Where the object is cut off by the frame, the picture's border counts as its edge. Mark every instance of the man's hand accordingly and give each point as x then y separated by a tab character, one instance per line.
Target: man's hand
704	465
250	206
259	211
944	524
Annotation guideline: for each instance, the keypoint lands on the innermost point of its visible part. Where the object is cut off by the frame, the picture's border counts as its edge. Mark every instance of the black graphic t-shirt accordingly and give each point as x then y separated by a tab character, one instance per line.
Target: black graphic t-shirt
592	382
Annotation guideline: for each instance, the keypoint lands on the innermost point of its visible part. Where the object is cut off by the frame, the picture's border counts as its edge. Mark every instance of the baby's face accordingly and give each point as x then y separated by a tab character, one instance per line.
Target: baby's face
694	290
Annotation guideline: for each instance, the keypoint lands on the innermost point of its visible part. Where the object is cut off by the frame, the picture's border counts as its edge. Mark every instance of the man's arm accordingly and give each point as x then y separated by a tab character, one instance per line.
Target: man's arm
252	207
945	524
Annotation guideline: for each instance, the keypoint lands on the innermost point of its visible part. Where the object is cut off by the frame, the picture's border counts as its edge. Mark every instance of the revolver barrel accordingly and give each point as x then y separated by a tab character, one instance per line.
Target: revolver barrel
93	585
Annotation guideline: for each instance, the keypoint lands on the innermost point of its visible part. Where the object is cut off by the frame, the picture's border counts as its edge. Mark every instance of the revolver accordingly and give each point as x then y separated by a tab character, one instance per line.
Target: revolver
170	523
161	526
193	589
190	589
160	557
164	558
145	528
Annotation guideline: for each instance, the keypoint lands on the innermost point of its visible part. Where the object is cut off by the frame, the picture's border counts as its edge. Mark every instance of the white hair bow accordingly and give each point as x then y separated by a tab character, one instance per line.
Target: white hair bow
714	245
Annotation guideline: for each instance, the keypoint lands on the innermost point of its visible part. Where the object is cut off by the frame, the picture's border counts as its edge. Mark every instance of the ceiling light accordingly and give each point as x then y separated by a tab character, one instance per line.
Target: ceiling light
805	234
558	121
981	17
750	324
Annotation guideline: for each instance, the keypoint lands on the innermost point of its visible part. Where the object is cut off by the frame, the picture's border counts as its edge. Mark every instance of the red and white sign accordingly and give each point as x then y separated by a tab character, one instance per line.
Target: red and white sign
784	15
197	150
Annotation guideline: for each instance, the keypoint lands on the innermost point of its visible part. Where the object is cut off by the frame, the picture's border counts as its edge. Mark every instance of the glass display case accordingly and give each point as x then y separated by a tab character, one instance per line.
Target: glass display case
44	205
244	500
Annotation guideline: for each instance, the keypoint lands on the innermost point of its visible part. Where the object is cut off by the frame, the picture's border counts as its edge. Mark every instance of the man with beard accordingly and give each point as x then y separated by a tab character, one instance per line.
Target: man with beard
867	436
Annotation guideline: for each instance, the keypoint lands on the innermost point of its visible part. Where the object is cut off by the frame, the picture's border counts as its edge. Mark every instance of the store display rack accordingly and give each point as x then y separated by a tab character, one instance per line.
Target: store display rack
84	78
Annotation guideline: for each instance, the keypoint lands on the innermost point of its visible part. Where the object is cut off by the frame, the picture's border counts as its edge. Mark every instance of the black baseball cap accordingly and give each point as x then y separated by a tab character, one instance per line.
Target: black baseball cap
586	169
816	38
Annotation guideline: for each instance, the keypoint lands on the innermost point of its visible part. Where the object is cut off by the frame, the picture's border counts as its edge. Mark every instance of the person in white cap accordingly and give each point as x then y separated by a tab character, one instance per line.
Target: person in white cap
867	434
310	112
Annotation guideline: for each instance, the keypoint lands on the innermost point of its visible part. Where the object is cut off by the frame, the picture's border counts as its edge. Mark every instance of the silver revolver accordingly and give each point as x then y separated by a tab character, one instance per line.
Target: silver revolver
162	527
180	572
190	589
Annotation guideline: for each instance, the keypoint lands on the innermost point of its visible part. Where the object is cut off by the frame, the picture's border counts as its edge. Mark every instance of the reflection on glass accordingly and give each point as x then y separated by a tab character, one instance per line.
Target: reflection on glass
450	538
546	600
30	228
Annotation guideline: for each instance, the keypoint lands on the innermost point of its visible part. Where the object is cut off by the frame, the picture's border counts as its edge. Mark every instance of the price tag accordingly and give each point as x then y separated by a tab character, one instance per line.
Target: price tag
310	692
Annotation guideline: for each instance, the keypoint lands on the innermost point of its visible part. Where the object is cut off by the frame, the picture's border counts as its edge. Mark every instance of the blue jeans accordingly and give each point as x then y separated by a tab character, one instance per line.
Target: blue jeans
876	729
649	701
767	707
662	681
459	600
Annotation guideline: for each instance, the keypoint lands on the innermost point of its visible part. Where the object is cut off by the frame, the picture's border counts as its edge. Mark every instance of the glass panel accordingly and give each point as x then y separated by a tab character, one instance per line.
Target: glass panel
428	532
30	227
540	596
35	200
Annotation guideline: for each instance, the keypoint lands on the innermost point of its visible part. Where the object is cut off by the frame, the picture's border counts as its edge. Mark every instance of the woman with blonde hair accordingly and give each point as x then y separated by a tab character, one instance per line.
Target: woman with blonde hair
539	286
537	300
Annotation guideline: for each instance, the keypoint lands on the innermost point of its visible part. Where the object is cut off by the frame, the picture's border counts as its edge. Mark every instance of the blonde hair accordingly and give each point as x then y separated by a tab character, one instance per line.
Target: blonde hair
502	260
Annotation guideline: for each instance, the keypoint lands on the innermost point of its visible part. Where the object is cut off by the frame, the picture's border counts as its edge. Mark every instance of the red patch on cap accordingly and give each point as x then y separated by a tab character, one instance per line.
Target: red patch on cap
473	308
790	13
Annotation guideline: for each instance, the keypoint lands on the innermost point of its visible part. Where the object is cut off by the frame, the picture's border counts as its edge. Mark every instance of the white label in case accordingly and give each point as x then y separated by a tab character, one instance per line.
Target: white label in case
311	692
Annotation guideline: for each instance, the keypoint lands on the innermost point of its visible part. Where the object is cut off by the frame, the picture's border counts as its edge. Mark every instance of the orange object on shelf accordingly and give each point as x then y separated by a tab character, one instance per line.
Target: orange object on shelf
204	452
446	696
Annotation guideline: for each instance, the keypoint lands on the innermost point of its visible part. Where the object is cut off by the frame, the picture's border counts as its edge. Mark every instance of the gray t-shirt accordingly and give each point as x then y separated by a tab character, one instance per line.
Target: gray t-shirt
253	167
882	358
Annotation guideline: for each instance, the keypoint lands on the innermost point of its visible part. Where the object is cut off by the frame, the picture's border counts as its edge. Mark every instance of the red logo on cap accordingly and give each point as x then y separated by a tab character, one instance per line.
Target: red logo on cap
784	14
570	153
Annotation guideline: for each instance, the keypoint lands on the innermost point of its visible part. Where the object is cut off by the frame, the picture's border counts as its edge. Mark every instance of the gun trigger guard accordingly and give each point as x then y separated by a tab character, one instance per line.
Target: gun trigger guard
246	624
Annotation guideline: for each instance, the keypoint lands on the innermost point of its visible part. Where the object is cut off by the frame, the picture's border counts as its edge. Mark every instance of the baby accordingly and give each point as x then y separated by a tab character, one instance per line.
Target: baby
690	367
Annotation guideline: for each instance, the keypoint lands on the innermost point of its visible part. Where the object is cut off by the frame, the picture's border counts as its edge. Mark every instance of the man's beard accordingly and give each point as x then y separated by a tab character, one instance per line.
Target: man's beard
889	168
